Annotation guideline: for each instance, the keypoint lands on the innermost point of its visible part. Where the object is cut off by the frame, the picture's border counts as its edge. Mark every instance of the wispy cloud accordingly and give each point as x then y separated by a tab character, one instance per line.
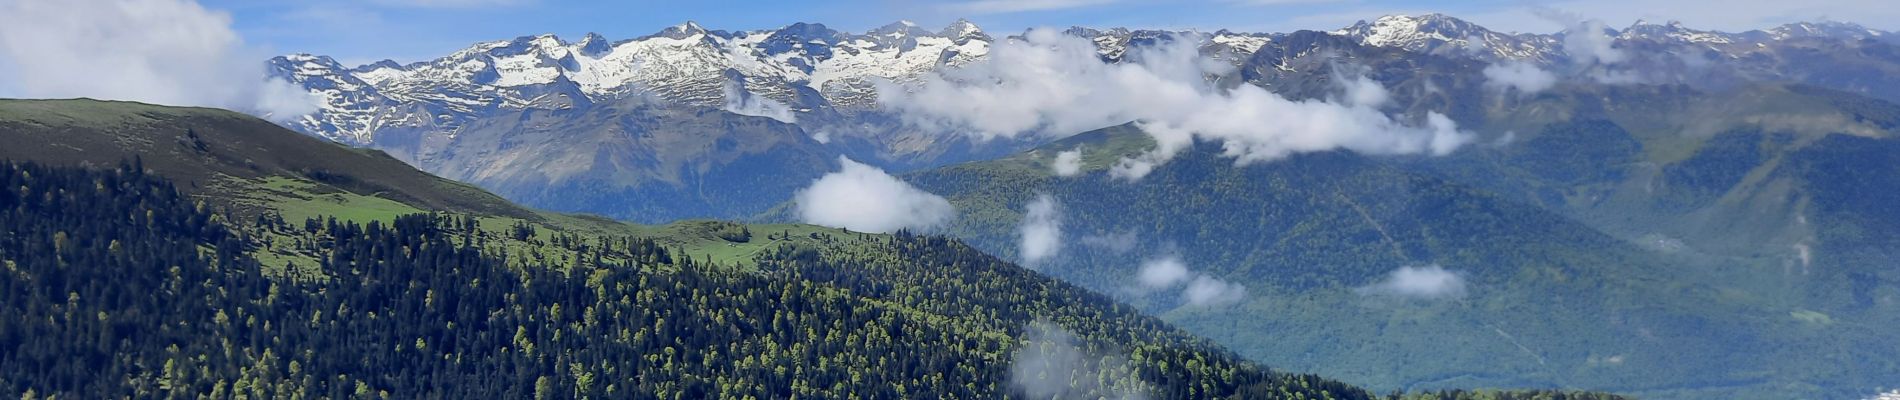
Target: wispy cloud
1207	291
1117	243
1197	289
744	102
1041	230
1525	78
1053	363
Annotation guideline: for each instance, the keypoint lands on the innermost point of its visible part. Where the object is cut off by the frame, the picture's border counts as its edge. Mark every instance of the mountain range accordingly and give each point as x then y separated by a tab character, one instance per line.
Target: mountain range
158	251
1634	205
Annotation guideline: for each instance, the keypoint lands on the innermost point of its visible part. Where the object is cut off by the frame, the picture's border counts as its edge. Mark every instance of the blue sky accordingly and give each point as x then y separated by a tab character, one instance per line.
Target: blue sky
358	31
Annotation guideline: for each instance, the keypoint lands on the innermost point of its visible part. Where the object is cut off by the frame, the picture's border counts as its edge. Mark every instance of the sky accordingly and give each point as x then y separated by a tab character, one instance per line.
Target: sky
362	31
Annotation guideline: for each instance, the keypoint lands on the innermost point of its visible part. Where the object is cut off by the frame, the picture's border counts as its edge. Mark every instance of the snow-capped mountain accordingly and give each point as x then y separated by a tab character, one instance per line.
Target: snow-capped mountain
809	68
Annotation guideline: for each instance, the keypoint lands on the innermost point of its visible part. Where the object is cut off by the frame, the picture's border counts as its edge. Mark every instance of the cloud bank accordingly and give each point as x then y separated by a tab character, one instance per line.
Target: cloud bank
863	198
1041	230
172	52
1591	47
1051	364
1162	273
1050	84
742	102
1427	282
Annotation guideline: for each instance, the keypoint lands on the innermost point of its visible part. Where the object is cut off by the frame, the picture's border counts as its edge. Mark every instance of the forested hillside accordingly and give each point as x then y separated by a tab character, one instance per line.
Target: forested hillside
116	285
1299	264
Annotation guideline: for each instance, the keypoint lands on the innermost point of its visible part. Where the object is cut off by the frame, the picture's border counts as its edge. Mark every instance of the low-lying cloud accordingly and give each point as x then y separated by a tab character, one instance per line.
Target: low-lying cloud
1426	282
743	102
1591	48
1592	52
1051	84
863	198
1052	364
1041	230
1587	41
1208	291
1162	273
1118	242
1524	77
1067	163
172	52
1199	290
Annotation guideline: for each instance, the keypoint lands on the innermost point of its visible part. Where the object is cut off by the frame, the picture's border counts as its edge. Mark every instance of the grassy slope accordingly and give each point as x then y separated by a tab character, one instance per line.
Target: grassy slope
253	166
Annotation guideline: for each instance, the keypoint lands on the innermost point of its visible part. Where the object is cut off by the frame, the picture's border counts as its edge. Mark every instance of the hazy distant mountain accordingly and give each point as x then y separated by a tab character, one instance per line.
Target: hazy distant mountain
1836	55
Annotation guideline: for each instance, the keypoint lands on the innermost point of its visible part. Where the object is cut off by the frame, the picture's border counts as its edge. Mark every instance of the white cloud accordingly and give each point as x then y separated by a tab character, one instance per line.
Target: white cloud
1041	230
1201	290
743	102
1591	48
1052	364
1162	273
1524	77
1427	282
1052	84
1207	291
981	7
172	52
1476	45
1588	41
863	198
1068	163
